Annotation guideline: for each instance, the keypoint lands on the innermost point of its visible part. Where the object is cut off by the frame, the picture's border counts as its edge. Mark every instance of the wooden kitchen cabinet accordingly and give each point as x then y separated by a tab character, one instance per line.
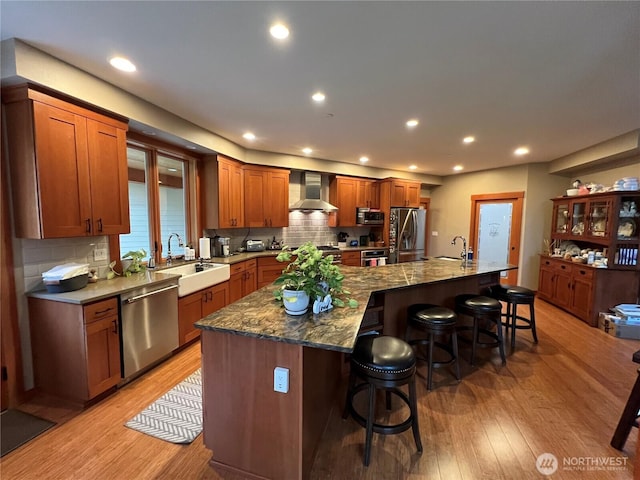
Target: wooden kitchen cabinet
76	348
351	258
367	193
404	193
230	193
350	193
266	193
269	269
243	279
198	305
68	167
583	290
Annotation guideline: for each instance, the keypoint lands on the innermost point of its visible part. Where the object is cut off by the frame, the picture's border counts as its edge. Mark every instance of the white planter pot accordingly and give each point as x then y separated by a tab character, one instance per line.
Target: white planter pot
295	302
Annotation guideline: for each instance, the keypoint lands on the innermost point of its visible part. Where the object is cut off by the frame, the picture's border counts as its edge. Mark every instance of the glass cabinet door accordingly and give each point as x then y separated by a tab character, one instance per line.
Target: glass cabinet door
578	217
561	215
599	212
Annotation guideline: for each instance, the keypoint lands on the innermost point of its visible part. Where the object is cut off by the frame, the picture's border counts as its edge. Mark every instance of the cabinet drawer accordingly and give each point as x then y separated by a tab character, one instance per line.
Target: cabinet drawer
563	267
351	255
237	267
99	310
249	264
583	272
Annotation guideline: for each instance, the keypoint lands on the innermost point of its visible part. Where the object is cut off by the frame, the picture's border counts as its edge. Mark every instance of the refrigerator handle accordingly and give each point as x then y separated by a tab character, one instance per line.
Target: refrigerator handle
414	229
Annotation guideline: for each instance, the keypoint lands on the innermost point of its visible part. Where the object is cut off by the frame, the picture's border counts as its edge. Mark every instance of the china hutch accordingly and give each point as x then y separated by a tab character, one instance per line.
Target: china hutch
608	225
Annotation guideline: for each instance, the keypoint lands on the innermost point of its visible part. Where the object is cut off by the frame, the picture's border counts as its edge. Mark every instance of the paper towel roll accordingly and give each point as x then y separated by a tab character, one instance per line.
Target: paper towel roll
205	247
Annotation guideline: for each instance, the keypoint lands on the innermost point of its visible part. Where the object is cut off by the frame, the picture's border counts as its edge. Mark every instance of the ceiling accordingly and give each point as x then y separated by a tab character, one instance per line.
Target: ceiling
556	77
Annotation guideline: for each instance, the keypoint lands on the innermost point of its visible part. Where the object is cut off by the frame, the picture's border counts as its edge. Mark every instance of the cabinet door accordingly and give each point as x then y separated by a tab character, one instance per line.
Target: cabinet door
237	204
413	194
351	258
345	200
375	194
63	172
268	270
236	281
545	282
189	312
107	148
103	355
278	196
255	194
563	292
217	297
582	297
398	194
230	194
250	282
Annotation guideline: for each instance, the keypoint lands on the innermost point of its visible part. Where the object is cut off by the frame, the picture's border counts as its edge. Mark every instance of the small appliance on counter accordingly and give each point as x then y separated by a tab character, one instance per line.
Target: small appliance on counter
254	246
342	239
369	216
66	277
220	246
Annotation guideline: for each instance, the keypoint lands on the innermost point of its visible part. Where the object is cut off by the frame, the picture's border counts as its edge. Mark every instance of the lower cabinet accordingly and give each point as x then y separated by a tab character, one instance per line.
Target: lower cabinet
76	348
198	305
243	280
268	270
585	291
351	258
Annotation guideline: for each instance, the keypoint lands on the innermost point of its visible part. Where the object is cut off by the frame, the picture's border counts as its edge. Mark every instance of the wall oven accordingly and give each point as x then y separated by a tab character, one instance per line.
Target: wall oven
373	258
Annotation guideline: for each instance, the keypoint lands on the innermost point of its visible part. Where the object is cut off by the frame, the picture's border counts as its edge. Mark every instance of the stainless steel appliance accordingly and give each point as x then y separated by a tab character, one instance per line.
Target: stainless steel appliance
331	250
406	234
367	216
373	258
149	326
254	245
222	247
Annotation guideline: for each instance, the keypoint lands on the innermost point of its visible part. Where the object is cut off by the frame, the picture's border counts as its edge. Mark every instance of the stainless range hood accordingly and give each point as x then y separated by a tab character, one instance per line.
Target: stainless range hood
311	191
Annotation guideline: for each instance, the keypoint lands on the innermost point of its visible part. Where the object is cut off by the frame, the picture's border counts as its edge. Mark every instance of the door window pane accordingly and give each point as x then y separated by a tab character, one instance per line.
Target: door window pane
494	233
137	161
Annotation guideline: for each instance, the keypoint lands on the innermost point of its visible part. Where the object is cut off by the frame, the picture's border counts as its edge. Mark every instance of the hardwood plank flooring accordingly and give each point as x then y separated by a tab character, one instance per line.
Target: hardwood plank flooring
562	396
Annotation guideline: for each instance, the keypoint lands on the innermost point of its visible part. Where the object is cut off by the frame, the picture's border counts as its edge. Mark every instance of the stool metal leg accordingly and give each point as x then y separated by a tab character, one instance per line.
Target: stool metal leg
430	361
370	420
347	403
475	338
514	316
532	315
454	349
501	339
628	417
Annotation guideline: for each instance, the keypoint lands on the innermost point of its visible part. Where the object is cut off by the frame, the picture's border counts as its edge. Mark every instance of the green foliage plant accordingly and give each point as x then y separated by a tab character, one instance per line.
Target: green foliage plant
136	265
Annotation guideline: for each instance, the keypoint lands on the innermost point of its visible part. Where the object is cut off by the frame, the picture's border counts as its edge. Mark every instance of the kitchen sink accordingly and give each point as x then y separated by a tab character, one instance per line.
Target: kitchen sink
192	281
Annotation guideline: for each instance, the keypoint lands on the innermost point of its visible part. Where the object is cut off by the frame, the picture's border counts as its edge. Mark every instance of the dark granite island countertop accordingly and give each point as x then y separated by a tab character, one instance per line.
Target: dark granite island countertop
259	315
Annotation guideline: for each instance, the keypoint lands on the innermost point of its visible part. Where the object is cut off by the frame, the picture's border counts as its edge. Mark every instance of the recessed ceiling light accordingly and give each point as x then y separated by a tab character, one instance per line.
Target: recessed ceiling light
279	31
412	167
469	139
249	136
172	169
412	123
122	64
307	151
318	97
364	159
458	168
521	151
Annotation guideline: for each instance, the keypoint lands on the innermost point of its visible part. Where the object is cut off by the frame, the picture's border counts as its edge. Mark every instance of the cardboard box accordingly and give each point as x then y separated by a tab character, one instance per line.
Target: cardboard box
616	327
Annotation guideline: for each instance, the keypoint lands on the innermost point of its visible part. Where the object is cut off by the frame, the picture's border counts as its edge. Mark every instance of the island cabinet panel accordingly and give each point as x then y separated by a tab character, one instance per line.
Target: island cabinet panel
198	305
68	168
266	193
249	427
583	290
76	348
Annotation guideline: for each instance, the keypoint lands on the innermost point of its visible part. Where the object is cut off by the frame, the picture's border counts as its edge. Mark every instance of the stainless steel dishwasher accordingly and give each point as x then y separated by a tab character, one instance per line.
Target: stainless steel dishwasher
149	326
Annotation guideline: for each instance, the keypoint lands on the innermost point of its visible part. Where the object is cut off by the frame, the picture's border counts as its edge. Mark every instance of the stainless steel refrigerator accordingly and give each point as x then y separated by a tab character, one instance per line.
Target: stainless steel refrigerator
406	234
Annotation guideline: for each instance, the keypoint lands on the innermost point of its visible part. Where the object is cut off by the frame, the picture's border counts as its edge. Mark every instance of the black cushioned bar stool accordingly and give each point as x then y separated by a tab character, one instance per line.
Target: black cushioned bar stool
514	296
629	416
386	363
483	310
435	321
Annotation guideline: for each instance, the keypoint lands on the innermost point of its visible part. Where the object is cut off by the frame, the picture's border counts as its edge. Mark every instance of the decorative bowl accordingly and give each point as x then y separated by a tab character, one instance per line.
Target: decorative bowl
572	192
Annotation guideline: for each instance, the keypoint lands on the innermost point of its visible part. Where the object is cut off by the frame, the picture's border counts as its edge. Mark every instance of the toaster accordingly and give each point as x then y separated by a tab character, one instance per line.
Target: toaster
255	246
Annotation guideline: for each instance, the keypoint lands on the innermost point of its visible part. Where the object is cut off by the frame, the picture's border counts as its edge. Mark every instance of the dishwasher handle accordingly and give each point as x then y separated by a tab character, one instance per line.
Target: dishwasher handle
148	294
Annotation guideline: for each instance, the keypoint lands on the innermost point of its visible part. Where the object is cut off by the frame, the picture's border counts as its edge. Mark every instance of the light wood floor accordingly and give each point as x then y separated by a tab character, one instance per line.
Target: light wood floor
562	396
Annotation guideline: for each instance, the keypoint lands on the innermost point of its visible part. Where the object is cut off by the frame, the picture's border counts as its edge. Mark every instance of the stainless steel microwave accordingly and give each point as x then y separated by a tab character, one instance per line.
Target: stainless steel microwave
366	216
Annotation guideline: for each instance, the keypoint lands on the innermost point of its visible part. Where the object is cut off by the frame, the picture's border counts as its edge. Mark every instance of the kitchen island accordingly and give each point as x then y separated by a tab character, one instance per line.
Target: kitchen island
254	430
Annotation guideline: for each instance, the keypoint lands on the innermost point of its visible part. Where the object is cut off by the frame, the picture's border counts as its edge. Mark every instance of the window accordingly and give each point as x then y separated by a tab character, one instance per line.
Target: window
158	200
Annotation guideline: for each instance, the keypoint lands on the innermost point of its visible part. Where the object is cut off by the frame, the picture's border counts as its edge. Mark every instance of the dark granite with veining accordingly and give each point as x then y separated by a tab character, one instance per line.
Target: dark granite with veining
259	315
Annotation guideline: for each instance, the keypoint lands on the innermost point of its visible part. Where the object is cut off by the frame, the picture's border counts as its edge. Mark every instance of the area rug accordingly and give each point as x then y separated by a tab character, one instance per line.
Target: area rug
17	428
176	416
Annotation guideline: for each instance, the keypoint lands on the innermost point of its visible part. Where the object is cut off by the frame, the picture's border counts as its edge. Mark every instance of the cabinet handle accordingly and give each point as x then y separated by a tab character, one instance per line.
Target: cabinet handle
99	224
265	222
88	222
210	295
270	223
115	326
102	312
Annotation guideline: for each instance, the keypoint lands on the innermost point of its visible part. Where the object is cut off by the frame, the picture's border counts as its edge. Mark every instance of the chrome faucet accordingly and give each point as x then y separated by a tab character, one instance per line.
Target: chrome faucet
180	244
463	254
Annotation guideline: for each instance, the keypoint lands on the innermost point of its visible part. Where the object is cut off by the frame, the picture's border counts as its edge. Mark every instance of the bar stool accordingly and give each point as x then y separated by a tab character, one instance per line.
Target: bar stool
483	310
385	363
514	296
435	321
629	416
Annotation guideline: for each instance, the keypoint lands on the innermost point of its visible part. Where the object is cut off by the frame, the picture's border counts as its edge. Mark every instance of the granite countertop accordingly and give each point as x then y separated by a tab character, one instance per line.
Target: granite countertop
259	315
108	288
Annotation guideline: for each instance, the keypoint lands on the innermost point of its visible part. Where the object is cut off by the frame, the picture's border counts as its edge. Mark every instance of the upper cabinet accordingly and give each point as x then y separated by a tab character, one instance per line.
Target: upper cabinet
230	193
608	221
68	167
350	193
266	194
404	193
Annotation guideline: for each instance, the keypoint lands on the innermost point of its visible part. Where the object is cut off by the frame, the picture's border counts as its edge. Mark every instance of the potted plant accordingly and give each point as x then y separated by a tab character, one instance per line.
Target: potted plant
309	276
133	262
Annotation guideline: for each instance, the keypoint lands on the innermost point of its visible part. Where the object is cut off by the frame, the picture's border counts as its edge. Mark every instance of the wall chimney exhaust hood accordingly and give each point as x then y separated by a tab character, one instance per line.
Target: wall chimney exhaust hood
311	201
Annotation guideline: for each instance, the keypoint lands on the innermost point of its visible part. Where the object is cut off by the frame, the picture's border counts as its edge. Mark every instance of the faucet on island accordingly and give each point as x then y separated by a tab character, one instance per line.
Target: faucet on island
180	244
463	254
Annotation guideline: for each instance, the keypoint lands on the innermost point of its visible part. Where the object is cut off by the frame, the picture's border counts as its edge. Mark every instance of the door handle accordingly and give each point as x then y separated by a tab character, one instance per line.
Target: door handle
88	222
100	224
115	326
